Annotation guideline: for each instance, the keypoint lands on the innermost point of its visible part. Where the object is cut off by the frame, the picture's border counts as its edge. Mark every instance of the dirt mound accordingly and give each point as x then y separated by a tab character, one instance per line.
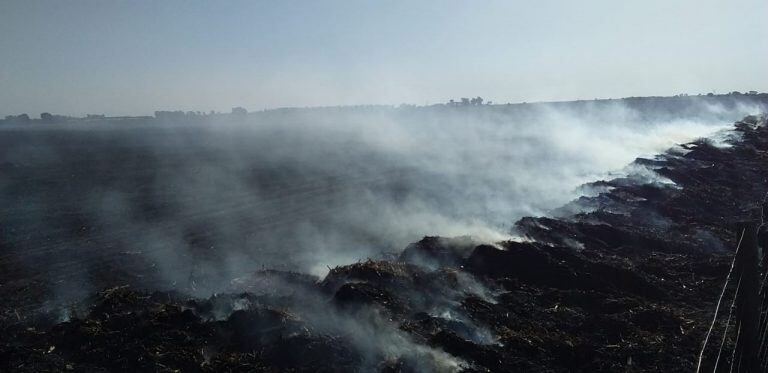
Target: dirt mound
438	251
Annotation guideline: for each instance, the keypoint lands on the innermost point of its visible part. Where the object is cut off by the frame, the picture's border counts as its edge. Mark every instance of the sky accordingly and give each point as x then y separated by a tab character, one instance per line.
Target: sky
134	57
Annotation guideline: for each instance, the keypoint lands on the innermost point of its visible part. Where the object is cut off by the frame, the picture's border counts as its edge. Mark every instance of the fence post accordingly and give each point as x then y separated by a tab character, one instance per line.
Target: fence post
748	299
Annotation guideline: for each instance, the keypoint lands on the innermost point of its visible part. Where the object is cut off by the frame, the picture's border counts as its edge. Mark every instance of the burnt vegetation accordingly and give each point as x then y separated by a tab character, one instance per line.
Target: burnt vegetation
628	283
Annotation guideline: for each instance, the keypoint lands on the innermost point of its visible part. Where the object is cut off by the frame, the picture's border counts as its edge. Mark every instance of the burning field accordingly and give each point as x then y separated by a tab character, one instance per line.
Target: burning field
624	278
383	186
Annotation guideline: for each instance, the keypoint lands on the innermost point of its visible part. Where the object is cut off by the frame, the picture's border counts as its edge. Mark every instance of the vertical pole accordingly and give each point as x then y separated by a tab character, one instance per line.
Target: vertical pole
748	299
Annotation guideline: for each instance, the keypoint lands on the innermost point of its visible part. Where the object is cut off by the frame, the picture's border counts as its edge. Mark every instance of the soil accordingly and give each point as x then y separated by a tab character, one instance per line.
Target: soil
627	284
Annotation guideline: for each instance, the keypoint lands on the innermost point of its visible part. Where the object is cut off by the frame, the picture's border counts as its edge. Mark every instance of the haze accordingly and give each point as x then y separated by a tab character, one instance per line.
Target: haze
131	58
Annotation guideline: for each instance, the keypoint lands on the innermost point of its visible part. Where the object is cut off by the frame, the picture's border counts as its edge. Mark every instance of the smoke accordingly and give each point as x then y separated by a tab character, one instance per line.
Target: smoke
372	331
194	205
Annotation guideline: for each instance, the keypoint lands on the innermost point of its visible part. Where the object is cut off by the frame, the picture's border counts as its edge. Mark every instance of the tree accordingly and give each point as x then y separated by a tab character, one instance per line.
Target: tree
21	118
239	111
46	117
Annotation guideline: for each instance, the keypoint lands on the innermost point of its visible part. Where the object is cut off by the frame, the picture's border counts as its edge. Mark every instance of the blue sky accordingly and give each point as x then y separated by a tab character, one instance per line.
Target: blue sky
134	57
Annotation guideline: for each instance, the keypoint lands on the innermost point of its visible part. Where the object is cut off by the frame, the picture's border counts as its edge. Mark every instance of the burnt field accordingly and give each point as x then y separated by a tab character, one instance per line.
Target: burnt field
624	279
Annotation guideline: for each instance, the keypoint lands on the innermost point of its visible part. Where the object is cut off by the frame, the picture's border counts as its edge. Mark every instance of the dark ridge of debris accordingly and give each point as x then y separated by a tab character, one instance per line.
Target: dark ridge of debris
436	252
627	282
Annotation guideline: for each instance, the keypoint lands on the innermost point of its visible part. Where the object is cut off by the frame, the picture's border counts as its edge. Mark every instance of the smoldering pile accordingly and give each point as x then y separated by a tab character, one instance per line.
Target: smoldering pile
511	307
625	285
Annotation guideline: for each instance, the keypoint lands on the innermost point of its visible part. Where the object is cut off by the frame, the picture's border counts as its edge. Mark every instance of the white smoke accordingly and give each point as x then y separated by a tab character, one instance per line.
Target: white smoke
305	189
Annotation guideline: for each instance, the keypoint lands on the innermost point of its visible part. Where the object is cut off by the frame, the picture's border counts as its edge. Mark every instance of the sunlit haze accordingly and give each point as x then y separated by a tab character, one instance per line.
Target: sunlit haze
135	57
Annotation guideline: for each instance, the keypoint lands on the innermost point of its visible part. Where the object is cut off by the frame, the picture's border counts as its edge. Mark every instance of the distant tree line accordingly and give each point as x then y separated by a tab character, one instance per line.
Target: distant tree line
160	115
178	115
465	101
21	118
240	112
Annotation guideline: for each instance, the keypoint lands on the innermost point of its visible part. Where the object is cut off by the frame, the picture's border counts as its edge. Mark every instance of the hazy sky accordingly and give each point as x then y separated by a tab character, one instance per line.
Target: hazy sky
134	57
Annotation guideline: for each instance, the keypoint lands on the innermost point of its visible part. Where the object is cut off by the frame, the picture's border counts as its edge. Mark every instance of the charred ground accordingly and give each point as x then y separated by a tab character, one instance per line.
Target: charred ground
627	284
